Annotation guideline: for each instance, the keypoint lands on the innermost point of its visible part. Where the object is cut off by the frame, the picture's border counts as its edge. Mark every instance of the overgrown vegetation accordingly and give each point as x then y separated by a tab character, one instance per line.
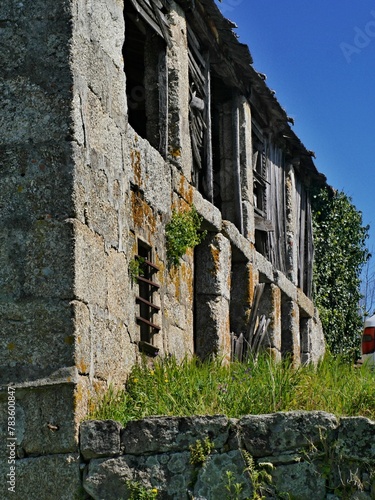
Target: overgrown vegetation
182	232
340	254
138	492
192	387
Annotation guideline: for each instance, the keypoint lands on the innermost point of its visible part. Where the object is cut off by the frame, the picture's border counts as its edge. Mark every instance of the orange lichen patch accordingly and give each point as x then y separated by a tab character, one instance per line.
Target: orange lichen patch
11	346
250	283
175	152
185	190
135	157
160	264
79	396
82	367
182	279
276	302
143	215
215	252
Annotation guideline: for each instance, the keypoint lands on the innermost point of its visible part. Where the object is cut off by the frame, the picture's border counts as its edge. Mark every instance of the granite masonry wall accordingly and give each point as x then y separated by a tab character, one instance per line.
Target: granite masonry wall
305	454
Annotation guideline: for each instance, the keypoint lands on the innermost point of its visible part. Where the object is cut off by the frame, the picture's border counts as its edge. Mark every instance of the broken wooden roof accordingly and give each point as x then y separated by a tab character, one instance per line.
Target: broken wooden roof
232	61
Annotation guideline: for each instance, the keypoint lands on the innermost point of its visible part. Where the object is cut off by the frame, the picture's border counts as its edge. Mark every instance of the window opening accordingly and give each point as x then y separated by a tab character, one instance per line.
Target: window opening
200	116
147	288
221	97
260	189
145	65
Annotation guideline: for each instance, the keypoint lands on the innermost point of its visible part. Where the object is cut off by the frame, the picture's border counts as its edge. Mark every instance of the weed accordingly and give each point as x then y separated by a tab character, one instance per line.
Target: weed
139	492
136	268
193	387
200	451
260	476
182	232
234	489
343	478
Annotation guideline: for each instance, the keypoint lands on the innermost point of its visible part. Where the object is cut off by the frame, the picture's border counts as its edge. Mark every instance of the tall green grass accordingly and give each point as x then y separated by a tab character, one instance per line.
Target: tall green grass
192	387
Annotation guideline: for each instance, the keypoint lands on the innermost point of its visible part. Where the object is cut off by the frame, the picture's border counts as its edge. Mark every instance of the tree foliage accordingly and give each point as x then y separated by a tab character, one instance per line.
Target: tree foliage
340	254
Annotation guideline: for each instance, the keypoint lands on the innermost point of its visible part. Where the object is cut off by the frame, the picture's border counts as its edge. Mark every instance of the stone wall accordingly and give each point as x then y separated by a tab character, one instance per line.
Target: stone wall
307	454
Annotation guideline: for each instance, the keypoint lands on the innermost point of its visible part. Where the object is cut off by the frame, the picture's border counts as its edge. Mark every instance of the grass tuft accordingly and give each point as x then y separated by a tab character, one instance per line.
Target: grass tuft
193	387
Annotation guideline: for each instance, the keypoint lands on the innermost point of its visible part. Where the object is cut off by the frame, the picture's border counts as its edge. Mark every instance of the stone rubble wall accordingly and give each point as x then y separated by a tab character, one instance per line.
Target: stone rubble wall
309	455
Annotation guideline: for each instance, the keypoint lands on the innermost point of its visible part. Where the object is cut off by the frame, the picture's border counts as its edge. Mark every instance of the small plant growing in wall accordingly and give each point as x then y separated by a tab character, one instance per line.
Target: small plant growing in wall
136	268
139	492
200	451
182	232
234	489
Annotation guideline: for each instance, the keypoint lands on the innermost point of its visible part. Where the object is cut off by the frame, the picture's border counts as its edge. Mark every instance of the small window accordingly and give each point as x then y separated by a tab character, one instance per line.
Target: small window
147	288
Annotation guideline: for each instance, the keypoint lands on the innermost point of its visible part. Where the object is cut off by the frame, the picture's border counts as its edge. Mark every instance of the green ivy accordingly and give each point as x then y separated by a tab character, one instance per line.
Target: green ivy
340	253
182	232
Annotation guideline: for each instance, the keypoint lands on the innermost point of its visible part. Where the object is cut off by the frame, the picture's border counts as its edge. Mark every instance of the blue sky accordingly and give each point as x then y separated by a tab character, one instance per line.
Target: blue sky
319	57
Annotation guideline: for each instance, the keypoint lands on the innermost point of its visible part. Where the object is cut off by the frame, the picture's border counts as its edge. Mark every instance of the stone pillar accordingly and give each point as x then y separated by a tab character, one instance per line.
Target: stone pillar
292	258
312	340
270	306
212	294
241	295
246	154
290	330
179	150
37	239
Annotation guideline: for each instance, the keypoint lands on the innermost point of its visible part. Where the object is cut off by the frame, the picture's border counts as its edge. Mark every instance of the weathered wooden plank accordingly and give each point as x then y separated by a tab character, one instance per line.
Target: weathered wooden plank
163	103
164	26
258	292
197	72
195	47
208	135
237	163
148	16
262	224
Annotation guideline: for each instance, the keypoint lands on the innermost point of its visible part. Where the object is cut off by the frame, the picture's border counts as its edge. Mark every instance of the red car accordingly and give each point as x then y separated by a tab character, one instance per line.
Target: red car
368	341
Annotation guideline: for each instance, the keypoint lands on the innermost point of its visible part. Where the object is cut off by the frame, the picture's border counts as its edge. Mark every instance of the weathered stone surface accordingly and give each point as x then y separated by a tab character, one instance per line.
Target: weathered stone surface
355	439
240	244
44	418
211	215
171	474
212	479
212	319
165	434
178	94
44	478
36	339
272	434
99	438
302	481
214	265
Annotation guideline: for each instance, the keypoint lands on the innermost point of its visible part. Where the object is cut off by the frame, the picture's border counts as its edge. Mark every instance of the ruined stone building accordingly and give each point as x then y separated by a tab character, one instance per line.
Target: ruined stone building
114	114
